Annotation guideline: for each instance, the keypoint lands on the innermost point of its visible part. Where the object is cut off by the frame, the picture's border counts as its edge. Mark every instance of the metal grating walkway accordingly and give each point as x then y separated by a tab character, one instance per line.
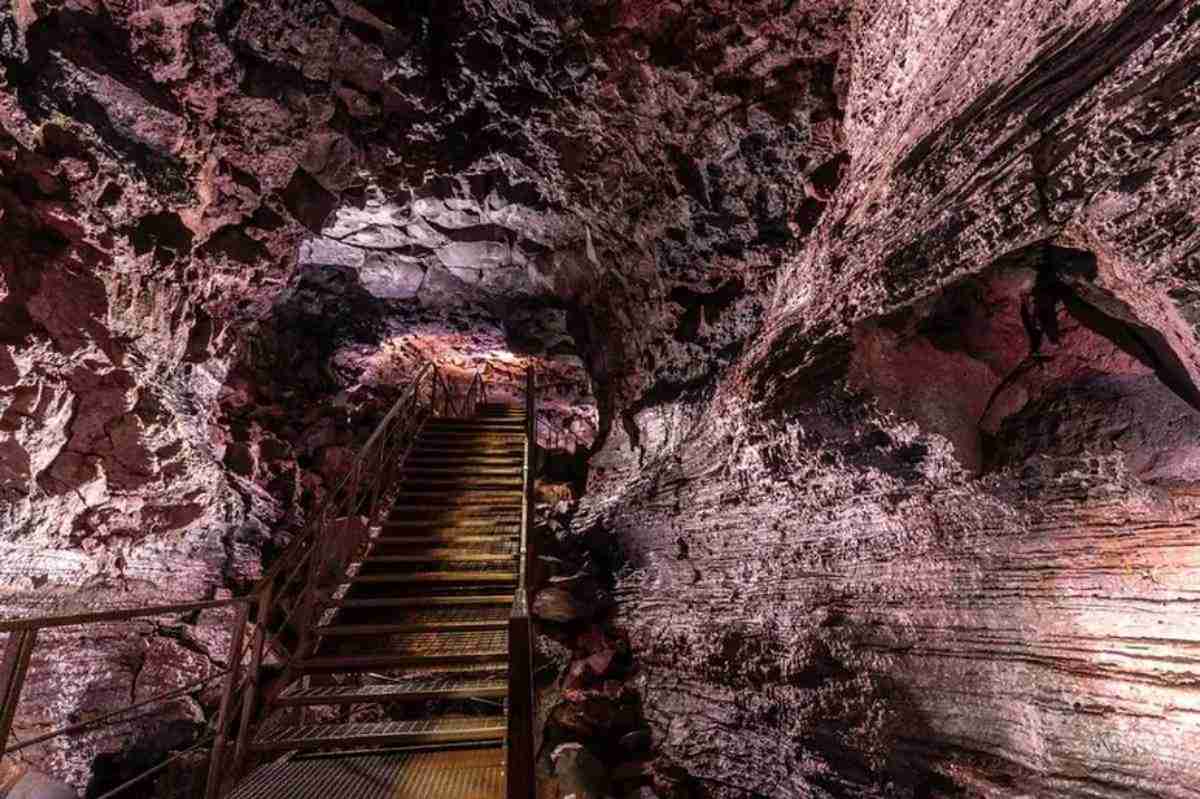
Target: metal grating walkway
452	774
414	732
441	687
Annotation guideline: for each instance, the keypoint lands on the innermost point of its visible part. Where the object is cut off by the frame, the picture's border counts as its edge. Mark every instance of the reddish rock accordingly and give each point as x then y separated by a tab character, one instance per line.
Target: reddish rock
562	606
868	329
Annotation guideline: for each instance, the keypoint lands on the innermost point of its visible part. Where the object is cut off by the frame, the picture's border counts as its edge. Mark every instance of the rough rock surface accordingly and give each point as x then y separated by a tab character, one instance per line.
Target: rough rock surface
937	534
876	322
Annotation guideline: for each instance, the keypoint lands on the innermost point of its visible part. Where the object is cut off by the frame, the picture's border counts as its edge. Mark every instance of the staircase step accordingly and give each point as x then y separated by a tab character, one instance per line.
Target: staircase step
460	772
476	507
462	466
450	686
386	566
511	457
460	456
435	535
421	619
442	730
462	487
482	495
504	600
472	440
467	522
464	435
417	649
468	450
449	548
452	456
458	480
514	432
445	577
496	422
443	556
444	472
398	628
475	433
486	510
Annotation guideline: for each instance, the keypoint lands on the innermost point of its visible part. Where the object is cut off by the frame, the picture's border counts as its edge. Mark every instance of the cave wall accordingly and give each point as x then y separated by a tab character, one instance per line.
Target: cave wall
828	588
176	386
860	557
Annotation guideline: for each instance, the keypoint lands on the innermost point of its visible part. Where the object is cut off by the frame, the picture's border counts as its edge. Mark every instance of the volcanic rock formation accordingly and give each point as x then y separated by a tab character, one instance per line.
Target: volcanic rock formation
870	328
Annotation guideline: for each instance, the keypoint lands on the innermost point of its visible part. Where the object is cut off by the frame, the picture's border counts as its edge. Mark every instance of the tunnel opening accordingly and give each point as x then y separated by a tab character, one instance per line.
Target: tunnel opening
389	285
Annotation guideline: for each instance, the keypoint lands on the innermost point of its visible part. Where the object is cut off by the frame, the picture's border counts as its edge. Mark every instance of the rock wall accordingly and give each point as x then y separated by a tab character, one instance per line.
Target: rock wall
888	314
936	533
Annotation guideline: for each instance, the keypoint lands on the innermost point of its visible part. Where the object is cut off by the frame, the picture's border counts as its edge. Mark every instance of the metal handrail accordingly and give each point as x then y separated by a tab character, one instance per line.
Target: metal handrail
519	741
44	622
287	597
295	549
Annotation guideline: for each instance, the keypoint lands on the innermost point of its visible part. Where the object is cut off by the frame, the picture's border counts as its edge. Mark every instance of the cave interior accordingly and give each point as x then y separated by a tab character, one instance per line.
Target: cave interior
866	336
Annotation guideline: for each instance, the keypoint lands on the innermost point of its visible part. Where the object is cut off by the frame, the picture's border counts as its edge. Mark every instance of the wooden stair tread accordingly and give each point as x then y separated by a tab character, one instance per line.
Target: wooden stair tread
471	444
454	477
348	664
459	550
435	643
474	442
466	458
475	433
467	496
458	488
469	539
478	422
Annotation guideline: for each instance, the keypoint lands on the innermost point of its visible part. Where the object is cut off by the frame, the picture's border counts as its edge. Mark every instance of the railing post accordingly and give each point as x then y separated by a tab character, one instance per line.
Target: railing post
519	754
12	678
250	696
520	703
215	772
531	449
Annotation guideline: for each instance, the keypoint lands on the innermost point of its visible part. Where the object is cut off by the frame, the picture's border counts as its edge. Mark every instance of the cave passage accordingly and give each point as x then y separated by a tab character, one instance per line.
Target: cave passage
864	340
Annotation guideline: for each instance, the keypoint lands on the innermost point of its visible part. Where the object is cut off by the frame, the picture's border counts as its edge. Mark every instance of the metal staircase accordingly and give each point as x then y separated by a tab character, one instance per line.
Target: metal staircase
418	642
388	651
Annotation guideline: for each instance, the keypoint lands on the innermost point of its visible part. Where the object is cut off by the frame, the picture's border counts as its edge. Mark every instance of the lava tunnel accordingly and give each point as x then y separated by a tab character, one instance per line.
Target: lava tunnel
599	399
